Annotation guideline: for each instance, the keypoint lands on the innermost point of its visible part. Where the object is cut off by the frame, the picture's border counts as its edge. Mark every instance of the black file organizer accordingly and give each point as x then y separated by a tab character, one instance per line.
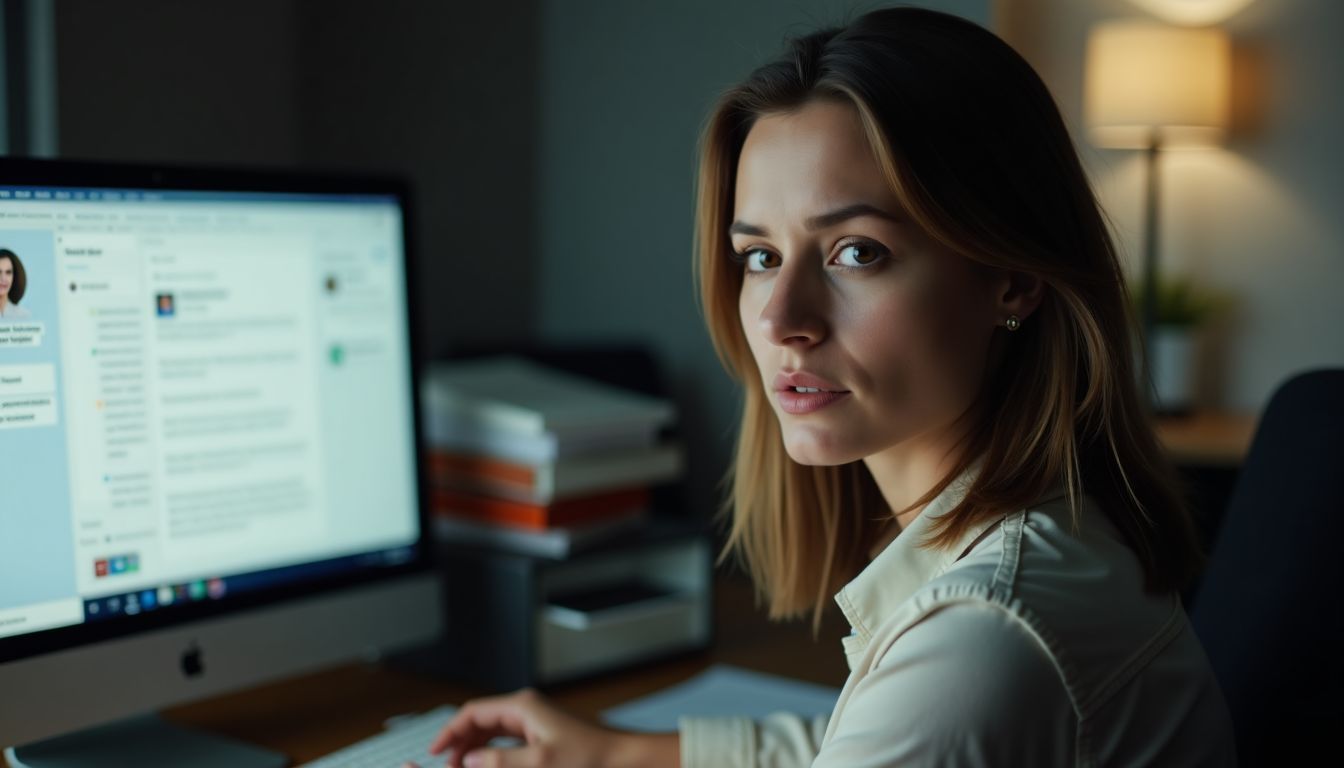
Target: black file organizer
516	620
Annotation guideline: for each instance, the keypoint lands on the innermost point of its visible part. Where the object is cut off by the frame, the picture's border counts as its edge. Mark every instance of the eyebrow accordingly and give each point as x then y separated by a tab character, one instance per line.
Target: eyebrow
820	221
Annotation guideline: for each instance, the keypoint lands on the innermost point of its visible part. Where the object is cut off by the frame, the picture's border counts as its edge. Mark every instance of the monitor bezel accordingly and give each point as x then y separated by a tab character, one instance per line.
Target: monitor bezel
211	178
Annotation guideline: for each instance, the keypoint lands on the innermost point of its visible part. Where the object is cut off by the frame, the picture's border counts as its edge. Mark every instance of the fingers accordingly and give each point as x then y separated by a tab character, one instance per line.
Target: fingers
480	720
476	727
522	757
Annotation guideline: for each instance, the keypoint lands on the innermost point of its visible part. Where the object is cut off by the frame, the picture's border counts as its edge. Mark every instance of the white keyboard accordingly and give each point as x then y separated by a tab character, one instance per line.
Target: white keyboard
407	739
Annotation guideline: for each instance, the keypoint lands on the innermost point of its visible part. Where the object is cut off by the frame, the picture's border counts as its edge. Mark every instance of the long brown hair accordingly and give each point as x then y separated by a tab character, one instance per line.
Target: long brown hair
977	154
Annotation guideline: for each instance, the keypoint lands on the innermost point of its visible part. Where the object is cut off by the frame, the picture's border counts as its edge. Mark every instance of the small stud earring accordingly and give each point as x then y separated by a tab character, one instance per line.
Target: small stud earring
1013	323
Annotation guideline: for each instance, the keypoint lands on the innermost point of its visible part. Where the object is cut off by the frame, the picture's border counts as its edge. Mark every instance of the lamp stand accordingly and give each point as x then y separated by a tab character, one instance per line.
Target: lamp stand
1150	230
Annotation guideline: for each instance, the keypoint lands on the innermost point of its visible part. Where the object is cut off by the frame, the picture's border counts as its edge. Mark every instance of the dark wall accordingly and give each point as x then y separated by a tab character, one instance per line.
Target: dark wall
165	80
443	93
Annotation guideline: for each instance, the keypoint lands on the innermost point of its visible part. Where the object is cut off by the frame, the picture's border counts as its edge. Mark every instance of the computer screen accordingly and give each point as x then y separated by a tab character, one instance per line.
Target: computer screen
206	397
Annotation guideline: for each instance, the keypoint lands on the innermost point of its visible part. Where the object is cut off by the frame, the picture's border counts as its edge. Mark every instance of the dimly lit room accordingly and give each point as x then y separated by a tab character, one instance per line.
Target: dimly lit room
684	383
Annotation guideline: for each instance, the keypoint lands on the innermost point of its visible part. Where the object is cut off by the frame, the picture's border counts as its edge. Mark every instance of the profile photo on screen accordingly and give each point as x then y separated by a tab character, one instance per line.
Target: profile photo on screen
13	283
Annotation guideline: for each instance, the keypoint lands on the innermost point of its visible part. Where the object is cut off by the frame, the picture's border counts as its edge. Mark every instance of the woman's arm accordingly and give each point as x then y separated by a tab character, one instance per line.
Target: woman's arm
968	686
551	737
779	740
657	750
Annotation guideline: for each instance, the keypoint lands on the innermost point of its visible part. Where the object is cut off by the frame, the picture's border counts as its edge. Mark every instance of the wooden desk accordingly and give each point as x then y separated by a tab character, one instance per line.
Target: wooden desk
310	716
1208	438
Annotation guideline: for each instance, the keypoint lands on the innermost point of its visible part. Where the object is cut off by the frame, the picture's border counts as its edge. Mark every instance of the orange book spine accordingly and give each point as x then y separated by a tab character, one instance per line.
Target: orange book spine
445	465
539	516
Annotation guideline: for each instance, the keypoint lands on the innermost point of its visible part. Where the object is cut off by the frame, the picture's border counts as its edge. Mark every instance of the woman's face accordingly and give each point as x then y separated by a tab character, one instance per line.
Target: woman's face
842	292
6	275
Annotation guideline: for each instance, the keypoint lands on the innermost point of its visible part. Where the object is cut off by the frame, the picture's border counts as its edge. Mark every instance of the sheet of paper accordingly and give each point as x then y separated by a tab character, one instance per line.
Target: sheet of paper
722	690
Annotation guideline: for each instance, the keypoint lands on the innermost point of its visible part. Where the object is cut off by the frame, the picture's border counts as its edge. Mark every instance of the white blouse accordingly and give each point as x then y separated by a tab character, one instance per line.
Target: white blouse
1026	644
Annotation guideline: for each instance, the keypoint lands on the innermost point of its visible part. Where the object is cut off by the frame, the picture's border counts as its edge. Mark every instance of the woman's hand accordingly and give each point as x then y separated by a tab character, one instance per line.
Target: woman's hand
551	737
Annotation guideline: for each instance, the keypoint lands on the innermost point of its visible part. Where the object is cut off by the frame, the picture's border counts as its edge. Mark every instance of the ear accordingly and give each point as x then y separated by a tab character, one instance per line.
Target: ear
1016	293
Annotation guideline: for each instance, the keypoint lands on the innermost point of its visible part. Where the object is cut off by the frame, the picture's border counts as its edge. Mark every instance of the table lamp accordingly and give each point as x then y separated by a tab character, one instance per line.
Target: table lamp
1151	86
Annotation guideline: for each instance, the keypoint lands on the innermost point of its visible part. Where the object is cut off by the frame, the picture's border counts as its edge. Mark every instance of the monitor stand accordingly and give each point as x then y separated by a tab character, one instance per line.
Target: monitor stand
146	741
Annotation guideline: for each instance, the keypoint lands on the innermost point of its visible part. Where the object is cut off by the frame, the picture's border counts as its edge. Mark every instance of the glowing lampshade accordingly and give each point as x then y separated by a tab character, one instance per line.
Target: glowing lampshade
1147	82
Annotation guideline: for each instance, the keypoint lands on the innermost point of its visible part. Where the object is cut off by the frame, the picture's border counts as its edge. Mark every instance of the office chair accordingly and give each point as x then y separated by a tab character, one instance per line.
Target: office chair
1268	608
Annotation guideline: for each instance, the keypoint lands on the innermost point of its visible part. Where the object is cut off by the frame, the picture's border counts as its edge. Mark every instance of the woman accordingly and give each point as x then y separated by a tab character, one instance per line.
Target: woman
13	282
901	259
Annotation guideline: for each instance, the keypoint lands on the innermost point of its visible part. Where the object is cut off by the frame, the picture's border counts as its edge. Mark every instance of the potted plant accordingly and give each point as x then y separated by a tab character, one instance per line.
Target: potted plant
1182	308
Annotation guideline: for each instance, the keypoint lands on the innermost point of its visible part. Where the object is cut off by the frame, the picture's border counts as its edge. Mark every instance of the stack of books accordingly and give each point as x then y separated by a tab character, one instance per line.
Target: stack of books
530	459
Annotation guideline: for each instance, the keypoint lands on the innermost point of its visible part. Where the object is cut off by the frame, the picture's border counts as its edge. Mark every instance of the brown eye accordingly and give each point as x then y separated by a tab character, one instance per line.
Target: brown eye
759	260
857	255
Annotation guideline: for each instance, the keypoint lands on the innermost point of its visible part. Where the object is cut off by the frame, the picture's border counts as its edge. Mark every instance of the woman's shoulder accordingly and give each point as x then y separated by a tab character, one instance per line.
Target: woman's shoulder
1066	574
1058	556
1057	538
1053	588
15	312
976	672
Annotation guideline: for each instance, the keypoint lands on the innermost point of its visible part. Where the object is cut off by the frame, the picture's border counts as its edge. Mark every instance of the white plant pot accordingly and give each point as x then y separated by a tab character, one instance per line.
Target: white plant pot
1173	351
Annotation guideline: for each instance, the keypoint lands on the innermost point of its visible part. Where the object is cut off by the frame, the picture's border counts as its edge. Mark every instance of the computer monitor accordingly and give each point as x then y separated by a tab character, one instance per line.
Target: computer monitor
209	453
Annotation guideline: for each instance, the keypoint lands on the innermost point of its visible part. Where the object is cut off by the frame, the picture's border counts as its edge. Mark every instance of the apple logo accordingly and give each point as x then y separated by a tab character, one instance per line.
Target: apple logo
192	664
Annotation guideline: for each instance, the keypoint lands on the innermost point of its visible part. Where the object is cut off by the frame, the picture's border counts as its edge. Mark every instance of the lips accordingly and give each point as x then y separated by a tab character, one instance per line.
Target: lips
817	392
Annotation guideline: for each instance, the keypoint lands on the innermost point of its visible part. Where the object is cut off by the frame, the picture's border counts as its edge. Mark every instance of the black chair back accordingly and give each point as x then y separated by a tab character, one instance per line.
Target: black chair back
1268	610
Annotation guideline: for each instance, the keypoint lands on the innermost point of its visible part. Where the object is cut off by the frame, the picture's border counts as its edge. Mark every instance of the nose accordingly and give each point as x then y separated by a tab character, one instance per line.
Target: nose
794	315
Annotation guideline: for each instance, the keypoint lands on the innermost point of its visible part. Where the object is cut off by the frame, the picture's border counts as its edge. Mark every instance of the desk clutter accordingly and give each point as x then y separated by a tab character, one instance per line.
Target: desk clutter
555	566
531	459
